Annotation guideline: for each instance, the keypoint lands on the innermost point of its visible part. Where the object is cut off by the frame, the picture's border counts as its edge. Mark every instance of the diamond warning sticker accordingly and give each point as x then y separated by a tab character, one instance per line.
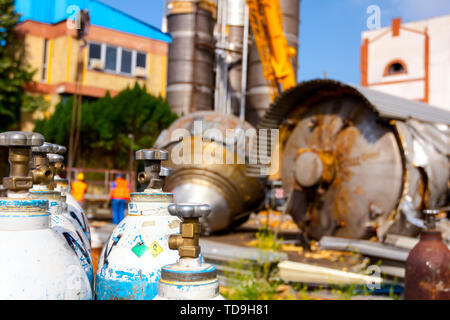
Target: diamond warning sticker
139	249
155	249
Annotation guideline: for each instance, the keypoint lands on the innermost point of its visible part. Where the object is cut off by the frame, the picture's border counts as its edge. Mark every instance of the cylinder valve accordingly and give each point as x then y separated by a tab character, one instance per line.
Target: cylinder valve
153	176
19	144
40	167
187	241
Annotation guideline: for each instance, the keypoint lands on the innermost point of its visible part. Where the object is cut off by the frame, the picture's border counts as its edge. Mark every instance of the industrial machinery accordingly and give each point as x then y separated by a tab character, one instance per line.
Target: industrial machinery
220	181
357	162
56	162
427	273
36	262
61	221
273	54
130	262
189	278
217	62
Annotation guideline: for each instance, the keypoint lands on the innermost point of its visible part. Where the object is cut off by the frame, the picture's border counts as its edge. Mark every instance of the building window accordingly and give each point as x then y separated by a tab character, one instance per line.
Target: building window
141	60
111	58
118	60
95	51
395	67
126	61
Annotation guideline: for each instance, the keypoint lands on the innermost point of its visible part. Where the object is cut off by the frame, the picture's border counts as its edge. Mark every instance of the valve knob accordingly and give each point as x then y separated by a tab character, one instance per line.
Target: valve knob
152	154
189	210
45	148
21	139
61	150
55	158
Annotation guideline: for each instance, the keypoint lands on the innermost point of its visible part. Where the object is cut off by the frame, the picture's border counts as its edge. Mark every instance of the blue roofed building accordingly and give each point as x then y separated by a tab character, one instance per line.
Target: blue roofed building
119	50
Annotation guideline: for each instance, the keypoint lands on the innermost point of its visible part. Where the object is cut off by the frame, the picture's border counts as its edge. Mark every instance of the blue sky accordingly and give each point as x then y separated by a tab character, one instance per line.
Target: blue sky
330	30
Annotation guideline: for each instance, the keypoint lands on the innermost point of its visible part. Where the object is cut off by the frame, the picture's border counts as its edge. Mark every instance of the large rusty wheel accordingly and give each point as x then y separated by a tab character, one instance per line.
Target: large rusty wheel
344	167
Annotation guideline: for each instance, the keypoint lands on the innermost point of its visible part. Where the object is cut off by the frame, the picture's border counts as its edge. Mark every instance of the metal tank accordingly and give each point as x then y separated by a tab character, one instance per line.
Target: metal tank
61	221
189	278
130	263
258	92
356	162
427	271
190	79
201	172
56	162
231	57
36	263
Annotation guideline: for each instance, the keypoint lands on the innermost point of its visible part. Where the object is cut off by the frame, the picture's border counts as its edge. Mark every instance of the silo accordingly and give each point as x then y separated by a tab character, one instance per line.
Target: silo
258	94
190	79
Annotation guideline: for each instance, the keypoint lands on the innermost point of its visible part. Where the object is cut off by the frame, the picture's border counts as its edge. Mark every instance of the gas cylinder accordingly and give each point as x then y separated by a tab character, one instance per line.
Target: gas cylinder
56	161
130	264
189	278
67	227
36	263
427	274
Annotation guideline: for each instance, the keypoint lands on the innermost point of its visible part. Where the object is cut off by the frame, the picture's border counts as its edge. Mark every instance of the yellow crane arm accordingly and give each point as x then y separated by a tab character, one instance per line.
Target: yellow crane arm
274	51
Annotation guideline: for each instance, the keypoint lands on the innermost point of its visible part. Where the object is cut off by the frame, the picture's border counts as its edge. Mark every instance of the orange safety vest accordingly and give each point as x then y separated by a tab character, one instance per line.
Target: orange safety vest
78	190
121	190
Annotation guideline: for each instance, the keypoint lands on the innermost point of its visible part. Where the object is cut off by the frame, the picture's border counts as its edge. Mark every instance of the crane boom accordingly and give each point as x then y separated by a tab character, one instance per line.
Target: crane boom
274	51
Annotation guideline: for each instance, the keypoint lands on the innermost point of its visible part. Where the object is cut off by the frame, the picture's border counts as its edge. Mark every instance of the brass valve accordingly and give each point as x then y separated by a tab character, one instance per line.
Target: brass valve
154	175
19	144
56	163
187	241
40	168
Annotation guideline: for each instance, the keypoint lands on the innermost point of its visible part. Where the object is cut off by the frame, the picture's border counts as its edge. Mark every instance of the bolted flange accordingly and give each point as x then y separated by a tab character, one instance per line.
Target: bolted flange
19	144
154	175
187	242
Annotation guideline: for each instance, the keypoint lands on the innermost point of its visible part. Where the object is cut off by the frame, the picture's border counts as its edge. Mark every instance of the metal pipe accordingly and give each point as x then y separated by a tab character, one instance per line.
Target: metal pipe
244	65
369	248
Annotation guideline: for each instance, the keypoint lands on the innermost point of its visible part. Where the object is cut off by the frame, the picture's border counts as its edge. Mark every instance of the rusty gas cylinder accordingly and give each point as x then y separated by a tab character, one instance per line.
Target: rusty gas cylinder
427	274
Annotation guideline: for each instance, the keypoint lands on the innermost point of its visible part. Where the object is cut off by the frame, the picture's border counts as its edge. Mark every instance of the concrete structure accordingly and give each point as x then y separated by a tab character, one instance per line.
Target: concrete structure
121	50
410	60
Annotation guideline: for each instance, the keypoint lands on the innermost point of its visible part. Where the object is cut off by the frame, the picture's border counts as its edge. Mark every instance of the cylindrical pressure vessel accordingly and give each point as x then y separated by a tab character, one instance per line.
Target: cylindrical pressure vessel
130	264
190	79
235	27
427	272
212	172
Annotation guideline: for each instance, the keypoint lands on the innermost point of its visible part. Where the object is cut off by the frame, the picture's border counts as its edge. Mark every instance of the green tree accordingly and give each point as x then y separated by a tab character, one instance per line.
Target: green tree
14	73
106	125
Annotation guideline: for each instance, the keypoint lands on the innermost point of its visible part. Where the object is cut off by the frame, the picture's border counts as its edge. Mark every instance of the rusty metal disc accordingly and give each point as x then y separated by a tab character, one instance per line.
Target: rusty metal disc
362	173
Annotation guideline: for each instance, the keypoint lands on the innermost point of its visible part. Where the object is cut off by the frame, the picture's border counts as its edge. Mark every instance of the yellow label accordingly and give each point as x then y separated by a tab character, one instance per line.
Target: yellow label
155	249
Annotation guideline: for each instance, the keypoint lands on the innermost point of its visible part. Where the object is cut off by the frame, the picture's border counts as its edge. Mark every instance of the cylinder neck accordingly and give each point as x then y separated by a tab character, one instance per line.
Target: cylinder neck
431	234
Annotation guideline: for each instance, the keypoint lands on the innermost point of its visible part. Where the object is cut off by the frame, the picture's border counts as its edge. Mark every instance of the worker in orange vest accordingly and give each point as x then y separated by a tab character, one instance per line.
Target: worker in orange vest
78	188
120	194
